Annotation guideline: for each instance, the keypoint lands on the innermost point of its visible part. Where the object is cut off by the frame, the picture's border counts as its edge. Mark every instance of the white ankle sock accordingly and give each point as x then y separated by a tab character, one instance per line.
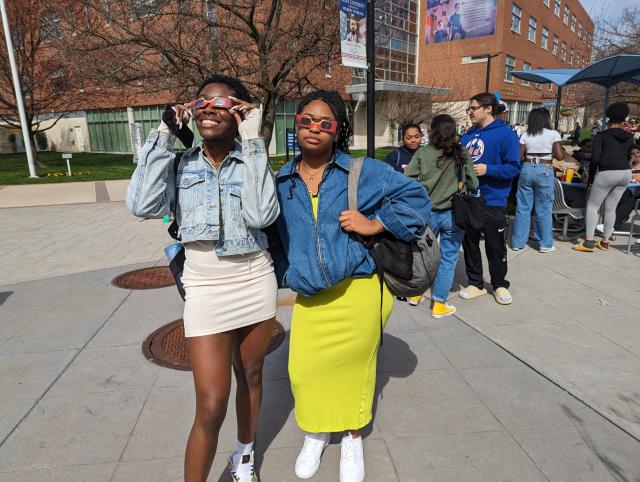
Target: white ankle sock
241	449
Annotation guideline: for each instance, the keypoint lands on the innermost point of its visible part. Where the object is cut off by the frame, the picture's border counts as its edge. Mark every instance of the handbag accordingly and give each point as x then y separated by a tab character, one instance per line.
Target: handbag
468	210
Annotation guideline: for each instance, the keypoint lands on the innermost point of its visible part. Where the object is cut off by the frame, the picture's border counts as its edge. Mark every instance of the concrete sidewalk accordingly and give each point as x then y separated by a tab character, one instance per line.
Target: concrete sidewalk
543	390
62	193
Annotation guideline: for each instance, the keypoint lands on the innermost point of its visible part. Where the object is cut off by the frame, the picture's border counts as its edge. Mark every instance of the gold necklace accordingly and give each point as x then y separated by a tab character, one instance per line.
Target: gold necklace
309	173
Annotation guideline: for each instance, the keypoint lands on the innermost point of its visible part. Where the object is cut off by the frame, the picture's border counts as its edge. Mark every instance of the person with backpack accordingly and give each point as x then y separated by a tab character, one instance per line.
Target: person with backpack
401	157
438	166
318	248
495	150
222	193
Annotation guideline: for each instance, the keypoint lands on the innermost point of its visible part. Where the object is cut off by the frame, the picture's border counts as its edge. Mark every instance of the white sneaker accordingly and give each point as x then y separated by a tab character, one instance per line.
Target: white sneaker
550	249
308	460
351	459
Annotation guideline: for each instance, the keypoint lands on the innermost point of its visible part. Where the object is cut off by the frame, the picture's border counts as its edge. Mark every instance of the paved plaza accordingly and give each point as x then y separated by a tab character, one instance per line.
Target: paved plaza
547	389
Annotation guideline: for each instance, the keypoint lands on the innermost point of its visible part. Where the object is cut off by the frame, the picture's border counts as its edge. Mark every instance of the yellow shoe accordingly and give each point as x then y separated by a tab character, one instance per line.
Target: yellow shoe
440	310
583	248
415	300
602	246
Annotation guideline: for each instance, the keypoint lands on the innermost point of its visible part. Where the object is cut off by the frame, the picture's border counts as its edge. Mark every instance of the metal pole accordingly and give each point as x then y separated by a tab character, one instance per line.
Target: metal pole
604	111
486	85
18	91
558	104
371	80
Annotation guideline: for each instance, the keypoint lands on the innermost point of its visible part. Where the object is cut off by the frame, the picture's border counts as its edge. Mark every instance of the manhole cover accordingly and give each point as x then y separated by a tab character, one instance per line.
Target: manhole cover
167	346
145	278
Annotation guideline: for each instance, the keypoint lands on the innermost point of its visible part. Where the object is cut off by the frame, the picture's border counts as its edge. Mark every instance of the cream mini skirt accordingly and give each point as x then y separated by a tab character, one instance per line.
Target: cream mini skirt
226	293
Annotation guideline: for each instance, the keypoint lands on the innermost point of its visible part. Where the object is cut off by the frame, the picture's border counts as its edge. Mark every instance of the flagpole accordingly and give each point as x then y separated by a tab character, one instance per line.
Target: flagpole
18	91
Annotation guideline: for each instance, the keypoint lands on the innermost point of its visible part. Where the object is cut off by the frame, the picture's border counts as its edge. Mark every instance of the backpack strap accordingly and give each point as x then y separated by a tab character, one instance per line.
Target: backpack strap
173	228
355	168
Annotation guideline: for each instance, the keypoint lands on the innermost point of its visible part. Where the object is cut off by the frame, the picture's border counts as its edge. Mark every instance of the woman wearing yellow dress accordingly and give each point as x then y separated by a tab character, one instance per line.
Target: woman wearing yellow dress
335	327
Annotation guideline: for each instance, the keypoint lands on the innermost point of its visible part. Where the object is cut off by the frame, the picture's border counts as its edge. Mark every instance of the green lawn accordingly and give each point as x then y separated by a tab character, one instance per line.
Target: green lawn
92	167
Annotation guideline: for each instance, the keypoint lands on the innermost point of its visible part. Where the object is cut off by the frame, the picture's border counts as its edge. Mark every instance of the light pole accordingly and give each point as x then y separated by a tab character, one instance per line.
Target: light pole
488	75
371	80
18	91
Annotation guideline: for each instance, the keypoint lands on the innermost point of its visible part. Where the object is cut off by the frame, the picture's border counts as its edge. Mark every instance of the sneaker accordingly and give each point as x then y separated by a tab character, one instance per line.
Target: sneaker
471	292
602	246
502	296
244	471
544	249
441	310
585	248
513	248
308	460
415	300
351	459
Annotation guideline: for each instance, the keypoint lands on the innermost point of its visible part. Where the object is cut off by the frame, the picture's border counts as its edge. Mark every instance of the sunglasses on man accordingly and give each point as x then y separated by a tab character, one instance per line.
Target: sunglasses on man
325	125
220	102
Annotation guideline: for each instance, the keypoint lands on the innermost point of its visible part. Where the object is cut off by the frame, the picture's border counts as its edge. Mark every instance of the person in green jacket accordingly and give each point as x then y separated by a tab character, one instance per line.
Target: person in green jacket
436	166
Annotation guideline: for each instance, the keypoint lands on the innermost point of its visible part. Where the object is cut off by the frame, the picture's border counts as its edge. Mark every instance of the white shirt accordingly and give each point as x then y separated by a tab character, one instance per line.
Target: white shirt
541	143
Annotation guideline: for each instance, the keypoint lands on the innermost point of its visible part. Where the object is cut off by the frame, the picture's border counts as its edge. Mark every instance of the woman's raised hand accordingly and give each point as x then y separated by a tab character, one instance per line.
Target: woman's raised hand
248	117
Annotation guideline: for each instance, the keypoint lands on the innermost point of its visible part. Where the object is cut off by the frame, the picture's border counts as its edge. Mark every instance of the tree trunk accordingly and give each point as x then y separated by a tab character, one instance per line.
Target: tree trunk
34	150
268	117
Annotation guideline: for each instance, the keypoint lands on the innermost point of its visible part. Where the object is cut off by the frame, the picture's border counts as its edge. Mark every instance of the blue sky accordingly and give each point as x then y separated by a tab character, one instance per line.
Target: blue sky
612	8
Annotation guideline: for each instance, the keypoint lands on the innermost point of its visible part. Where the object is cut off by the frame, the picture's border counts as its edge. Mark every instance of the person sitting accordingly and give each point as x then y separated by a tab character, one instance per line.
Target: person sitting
401	157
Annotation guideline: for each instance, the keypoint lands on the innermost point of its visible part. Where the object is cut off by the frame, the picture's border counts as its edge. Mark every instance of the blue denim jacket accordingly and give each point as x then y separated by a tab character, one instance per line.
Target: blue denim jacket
310	256
230	206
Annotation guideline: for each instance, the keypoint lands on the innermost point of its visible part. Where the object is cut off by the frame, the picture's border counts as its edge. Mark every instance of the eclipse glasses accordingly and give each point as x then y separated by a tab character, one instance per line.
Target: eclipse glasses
307	122
220	102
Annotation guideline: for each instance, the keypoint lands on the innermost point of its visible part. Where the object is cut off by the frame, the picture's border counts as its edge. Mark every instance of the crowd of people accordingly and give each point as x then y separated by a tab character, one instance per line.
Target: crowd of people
246	232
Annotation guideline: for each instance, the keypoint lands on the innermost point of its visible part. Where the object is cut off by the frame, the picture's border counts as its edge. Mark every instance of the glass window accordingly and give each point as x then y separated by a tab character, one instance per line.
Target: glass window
556	8
554	48
526	66
516	17
544	40
580	30
563	54
533	25
571	56
550	87
546	3
573	23
566	15
50	26
509	66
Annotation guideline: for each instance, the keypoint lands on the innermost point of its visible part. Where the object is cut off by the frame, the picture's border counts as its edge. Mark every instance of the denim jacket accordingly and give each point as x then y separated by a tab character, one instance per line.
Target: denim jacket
310	256
230	206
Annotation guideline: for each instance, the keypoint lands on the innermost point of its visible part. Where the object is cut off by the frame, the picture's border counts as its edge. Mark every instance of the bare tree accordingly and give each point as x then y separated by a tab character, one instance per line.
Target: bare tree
278	48
45	78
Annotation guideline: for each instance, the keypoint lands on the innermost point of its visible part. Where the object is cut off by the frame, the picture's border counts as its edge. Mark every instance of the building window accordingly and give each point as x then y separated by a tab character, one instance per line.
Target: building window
563	54
544	40
554	47
571	55
526	66
142	8
550	87
533	25
556	8
516	17
546	3
50	26
573	23
580	30
578	59
566	15
509	66
396	27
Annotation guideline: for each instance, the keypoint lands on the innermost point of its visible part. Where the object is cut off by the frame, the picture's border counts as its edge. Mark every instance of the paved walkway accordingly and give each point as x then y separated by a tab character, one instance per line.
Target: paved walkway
543	390
62	193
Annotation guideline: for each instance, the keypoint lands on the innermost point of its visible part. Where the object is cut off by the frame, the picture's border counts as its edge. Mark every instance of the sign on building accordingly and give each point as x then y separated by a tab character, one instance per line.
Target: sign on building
353	33
449	20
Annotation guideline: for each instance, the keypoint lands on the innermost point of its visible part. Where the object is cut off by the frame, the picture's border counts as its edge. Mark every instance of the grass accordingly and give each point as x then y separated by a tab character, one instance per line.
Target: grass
93	167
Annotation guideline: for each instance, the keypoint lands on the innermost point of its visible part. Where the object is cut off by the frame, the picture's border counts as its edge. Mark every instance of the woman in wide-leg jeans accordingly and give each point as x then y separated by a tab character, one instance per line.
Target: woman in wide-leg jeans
536	185
451	237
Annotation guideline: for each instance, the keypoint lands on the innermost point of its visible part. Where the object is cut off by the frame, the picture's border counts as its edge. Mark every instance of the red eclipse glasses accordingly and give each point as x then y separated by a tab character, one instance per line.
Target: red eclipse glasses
325	125
201	103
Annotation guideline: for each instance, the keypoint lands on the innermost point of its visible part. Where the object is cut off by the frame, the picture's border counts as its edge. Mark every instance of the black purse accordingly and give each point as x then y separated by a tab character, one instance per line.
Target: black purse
468	210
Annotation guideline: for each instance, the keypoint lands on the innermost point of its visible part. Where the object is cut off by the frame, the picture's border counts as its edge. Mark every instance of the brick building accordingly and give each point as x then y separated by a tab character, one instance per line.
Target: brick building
427	46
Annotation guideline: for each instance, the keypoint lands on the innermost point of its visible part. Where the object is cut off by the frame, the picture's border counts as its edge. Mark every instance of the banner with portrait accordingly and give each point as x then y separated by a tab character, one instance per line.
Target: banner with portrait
353	33
449	20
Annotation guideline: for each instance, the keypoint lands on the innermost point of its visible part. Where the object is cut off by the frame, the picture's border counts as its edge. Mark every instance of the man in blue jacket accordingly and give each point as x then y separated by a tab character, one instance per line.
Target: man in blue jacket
495	150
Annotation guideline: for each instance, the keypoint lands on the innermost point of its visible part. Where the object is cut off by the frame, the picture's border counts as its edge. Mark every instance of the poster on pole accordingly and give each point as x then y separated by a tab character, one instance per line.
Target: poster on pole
449	20
353	33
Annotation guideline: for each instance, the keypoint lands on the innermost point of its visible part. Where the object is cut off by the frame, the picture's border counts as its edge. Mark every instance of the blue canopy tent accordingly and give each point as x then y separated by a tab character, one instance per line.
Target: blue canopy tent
606	72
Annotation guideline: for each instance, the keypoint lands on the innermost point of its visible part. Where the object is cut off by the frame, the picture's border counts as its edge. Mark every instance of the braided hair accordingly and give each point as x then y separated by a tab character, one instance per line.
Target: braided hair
336	104
443	136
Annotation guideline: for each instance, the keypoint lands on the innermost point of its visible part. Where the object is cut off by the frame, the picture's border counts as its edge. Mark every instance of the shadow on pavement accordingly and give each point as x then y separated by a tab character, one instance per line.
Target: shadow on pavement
4	295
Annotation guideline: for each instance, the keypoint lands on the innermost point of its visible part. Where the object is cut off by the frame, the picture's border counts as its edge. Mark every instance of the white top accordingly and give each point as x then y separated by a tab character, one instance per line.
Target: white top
541	143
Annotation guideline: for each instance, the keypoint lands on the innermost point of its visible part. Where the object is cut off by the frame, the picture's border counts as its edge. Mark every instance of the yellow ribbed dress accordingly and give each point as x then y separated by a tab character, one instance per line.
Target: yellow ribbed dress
332	355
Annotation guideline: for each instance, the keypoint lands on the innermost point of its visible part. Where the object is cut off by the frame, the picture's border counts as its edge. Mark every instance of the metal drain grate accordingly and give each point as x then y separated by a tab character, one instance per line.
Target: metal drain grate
167	346
145	279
